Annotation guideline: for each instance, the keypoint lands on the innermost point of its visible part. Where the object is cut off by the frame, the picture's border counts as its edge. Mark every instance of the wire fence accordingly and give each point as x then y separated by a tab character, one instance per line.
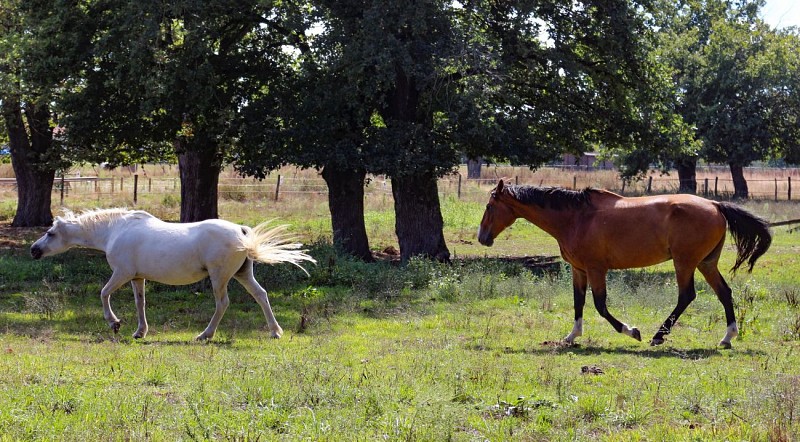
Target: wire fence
763	183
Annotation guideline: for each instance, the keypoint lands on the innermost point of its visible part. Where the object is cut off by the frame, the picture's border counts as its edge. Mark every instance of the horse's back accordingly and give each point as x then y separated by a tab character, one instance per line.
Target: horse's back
177	253
643	231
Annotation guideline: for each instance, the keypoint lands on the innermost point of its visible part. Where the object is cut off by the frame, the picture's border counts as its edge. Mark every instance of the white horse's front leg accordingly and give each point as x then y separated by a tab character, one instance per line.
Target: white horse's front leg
111	286
138	296
222	301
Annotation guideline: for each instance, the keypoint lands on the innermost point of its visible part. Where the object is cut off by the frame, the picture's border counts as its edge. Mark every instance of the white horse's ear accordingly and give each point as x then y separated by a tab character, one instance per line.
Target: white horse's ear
59	219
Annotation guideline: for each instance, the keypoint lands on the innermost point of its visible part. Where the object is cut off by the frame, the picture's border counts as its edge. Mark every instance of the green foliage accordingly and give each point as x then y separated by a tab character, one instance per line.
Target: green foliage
733	81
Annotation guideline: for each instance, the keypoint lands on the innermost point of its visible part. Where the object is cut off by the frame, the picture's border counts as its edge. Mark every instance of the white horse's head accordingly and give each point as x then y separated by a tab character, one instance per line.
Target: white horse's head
57	239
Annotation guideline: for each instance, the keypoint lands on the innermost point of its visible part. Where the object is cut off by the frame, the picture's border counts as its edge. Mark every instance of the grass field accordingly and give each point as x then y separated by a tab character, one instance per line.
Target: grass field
468	351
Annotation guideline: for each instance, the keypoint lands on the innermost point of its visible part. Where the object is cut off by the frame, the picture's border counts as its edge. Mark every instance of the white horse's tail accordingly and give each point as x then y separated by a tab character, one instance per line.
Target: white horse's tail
272	245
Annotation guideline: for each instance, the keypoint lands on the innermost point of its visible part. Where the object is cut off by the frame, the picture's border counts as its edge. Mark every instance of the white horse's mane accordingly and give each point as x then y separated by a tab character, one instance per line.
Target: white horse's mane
89	218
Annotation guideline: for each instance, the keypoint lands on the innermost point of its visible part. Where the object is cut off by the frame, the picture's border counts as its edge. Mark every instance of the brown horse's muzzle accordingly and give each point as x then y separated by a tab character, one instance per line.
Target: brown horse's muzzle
485	237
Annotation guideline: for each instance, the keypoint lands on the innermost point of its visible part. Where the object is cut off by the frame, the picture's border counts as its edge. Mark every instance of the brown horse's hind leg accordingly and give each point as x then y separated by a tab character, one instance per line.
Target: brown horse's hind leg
686	294
724	294
597	280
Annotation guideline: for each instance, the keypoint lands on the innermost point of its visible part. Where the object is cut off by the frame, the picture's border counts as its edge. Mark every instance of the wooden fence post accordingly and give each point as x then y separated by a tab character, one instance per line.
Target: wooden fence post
62	189
574	182
789	194
650	185
705	187
716	182
278	188
135	188
776	189
459	186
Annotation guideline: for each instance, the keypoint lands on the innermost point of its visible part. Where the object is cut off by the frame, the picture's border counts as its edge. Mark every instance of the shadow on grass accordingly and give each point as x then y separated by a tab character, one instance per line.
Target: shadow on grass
549	348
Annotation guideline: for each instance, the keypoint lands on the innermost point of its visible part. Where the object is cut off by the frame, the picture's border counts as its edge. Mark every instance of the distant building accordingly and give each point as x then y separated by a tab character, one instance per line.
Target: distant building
589	160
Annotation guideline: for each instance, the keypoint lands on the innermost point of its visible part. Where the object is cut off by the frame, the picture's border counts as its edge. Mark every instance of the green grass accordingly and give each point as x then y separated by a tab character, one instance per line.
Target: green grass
373	351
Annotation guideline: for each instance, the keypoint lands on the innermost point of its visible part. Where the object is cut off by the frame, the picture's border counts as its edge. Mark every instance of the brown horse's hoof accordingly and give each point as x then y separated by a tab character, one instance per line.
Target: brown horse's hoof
636	334
656	341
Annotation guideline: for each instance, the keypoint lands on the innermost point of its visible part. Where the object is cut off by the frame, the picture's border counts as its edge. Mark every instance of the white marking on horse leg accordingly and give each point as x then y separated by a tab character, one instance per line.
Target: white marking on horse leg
138	296
730	333
260	295
105	298
577	330
631	331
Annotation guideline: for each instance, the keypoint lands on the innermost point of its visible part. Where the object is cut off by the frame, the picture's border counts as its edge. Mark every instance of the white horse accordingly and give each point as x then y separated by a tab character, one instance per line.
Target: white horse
139	246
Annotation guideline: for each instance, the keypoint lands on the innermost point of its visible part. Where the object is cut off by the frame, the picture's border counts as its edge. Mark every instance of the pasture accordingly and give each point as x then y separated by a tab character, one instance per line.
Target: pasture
468	351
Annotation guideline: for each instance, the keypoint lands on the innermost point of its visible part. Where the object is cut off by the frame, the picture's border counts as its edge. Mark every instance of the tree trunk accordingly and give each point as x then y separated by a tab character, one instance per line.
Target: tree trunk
199	171
346	204
474	168
29	159
687	175
418	217
739	183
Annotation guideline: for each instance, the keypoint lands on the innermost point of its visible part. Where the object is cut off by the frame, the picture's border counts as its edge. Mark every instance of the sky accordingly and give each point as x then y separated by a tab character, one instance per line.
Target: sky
782	13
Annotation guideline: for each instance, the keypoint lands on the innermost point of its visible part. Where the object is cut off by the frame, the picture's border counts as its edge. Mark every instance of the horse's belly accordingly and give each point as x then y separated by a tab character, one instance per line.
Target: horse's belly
180	273
173	278
636	262
641	253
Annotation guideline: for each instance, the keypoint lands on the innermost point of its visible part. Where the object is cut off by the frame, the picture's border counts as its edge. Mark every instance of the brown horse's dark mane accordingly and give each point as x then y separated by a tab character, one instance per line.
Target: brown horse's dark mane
554	198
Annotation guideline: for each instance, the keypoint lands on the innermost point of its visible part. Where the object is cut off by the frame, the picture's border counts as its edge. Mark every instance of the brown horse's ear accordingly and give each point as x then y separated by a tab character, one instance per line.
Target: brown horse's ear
499	189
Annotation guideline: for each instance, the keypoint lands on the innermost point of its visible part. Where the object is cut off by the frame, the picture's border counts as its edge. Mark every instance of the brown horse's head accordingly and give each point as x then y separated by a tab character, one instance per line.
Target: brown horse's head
497	217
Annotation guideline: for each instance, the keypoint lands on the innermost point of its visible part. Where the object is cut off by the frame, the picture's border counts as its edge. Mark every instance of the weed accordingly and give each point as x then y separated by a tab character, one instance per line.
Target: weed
46	303
792	297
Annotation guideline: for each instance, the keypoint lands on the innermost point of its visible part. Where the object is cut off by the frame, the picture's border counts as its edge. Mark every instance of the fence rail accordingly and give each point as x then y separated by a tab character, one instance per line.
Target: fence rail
775	184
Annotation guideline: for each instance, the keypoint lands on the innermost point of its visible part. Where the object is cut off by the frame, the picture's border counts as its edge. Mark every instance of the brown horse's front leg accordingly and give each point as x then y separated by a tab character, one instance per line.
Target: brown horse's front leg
597	280
686	295
579	298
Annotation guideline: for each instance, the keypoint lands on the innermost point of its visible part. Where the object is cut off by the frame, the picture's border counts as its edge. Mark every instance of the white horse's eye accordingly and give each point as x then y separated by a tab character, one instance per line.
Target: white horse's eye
51	234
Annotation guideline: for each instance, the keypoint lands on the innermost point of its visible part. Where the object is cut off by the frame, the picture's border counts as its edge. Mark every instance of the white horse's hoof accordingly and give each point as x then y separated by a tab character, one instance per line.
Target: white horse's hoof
203	337
140	334
276	334
725	345
115	326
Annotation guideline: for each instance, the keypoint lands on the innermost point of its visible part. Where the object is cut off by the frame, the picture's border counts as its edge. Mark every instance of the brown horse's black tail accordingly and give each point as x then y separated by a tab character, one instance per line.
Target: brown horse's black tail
750	233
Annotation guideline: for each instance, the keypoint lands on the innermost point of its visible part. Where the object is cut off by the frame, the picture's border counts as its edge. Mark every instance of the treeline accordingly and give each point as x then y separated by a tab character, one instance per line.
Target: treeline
406	89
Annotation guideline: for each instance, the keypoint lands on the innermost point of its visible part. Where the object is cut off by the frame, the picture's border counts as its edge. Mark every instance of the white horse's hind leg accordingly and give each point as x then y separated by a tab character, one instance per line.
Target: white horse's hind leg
111	286
138	296
258	293
221	296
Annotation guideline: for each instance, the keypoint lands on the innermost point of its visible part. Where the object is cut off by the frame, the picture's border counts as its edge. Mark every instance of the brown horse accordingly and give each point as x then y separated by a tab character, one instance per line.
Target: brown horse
599	230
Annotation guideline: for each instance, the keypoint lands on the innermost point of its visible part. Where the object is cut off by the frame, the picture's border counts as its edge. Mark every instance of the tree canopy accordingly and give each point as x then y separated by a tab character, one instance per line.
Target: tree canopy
353	87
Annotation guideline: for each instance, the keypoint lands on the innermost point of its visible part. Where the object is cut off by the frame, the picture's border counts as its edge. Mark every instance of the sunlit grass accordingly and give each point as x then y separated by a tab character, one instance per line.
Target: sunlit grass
468	351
